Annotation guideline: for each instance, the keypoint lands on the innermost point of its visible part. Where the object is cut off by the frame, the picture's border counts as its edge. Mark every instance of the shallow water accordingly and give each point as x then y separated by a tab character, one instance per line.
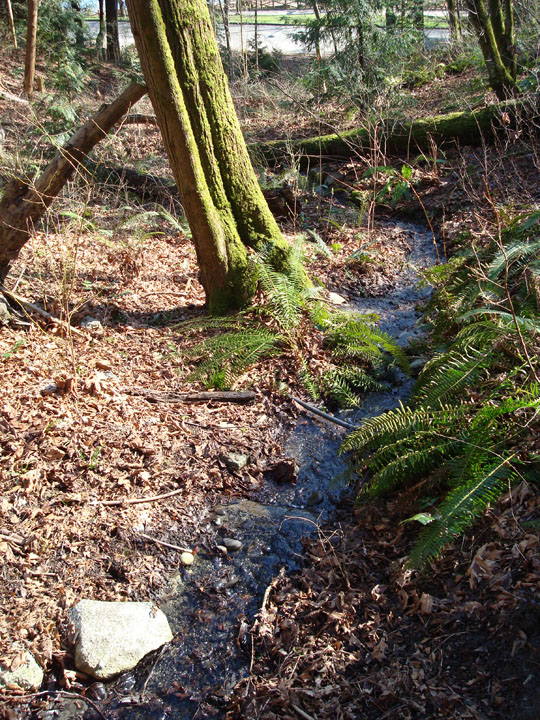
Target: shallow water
207	603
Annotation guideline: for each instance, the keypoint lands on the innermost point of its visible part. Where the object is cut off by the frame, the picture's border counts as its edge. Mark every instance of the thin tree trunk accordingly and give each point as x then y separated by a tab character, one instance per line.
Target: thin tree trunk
30	61
113	41
453	24
219	191
224	8
25	202
101	40
11	23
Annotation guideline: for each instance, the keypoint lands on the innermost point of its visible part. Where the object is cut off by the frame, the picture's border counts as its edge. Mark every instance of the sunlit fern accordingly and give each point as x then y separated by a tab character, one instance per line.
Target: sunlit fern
475	405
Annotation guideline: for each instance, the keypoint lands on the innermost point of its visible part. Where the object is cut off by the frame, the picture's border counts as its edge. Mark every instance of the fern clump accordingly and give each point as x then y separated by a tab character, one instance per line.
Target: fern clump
355	348
474	410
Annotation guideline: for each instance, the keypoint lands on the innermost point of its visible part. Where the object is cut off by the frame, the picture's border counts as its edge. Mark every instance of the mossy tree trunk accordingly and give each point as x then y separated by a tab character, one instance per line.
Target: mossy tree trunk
453	20
404	137
493	23
224	205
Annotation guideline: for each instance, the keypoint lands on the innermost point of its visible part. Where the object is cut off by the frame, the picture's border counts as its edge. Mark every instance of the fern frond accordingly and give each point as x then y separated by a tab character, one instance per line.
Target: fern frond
460	509
225	357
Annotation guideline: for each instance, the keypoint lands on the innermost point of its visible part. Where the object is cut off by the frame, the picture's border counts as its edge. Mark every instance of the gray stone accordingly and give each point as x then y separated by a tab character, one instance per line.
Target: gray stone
28	676
235	461
111	637
231	544
5	315
93	325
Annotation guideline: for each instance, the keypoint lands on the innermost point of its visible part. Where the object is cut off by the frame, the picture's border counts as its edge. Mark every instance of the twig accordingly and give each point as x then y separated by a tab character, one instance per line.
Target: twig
15	539
18	280
137	501
160	542
326	416
30	307
302	713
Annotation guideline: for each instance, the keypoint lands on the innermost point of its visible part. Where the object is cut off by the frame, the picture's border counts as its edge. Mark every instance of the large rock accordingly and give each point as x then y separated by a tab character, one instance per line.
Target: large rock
28	676
111	637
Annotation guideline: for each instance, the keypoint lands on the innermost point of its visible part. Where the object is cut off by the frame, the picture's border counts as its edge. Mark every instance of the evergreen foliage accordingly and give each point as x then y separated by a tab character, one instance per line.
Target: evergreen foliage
468	429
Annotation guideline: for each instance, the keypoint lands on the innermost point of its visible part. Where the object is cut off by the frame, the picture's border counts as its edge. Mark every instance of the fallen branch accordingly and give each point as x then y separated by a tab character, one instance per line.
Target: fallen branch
31	308
469	127
165	544
240	396
324	415
137	501
25	201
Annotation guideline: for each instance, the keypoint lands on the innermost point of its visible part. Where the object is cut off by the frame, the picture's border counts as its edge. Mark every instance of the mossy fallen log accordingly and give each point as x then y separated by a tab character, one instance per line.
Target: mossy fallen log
403	137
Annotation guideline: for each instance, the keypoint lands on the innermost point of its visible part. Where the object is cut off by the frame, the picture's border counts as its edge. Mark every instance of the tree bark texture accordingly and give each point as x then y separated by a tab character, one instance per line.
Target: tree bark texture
465	128
493	23
30	59
25	202
219	191
113	41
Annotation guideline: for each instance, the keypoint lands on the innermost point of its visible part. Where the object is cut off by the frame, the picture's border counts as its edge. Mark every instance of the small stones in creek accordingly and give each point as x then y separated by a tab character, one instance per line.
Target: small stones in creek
315	498
187	558
231	544
235	461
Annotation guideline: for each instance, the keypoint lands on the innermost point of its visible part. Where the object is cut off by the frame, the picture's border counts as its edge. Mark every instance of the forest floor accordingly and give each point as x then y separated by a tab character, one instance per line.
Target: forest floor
353	635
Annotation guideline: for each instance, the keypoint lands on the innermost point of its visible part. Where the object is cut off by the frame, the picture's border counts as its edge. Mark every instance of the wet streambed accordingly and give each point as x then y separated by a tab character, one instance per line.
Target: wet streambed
211	604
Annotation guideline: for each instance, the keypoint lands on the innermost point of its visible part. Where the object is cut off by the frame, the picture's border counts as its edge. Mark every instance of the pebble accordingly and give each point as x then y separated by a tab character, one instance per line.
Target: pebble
187	558
315	498
219	511
231	544
235	461
222	549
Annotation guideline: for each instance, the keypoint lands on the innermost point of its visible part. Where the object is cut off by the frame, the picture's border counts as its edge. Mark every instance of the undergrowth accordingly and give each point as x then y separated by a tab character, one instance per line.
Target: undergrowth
288	309
471	427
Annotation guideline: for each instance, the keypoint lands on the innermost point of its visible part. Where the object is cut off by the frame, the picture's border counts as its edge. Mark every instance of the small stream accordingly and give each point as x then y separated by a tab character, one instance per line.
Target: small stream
207	603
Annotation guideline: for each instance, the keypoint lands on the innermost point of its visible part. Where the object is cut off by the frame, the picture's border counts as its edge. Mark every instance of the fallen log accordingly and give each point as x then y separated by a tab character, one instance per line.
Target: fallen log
26	201
240	396
404	137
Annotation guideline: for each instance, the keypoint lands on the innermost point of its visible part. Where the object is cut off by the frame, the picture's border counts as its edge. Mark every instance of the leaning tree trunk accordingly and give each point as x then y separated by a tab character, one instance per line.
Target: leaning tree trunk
113	41
25	202
11	22
30	60
222	199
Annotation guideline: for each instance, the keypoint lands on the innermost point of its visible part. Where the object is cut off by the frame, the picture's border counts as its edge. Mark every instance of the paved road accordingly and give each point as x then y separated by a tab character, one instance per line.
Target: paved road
272	37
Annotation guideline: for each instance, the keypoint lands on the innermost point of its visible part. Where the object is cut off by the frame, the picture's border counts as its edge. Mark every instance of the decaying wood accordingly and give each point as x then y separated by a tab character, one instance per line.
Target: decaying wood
240	396
469	127
25	202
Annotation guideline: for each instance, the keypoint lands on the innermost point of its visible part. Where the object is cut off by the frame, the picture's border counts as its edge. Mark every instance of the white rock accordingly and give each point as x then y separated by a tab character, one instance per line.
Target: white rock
28	676
187	558
113	636
336	299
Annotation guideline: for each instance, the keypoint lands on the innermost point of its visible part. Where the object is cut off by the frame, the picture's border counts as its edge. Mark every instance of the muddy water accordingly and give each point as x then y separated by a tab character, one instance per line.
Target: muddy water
207	604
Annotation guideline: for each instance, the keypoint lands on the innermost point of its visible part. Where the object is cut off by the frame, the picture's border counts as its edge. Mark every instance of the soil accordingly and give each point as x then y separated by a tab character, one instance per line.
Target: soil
350	635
